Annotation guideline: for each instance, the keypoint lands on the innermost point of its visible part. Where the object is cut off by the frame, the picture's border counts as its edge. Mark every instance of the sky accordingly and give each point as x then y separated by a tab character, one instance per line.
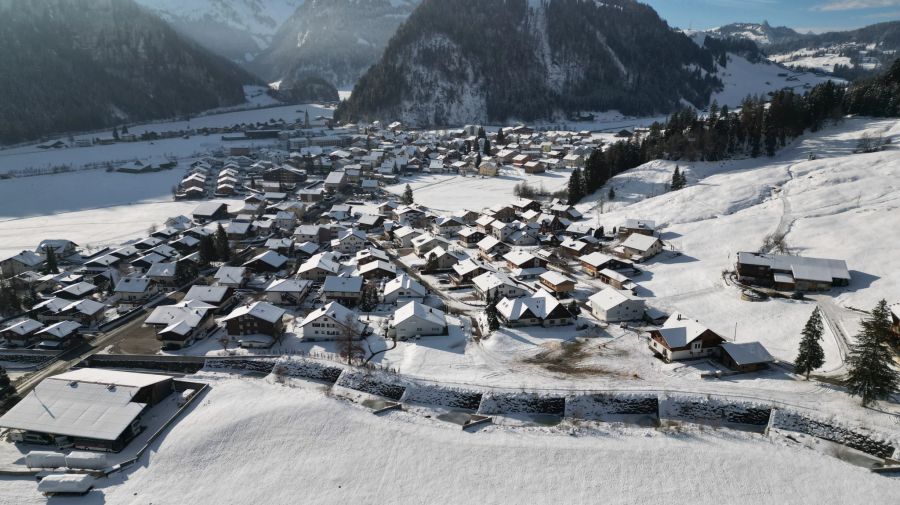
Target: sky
802	15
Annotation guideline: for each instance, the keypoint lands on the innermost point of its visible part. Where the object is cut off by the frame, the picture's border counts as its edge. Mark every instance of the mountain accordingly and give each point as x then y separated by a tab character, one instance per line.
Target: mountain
849	54
460	61
333	39
236	29
73	65
763	34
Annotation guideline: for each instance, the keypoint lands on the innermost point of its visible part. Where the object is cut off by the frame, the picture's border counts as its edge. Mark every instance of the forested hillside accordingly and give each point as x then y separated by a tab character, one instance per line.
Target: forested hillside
70	65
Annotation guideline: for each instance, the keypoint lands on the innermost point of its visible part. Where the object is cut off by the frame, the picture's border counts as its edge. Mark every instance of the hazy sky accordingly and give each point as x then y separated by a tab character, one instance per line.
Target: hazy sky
802	15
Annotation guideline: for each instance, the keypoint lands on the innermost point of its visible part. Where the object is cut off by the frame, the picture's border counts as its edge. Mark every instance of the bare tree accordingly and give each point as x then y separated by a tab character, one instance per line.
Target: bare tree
224	340
349	341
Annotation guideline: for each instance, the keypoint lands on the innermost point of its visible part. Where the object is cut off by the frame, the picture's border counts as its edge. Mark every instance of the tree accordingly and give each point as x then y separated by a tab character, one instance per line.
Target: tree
678	179
491	312
871	374
207	251
50	266
185	271
349	343
407	198
481	133
811	356
9	300
223	248
576	187
115	133
487	147
612	194
7	391
224	340
431	264
574	309
369	299
501	137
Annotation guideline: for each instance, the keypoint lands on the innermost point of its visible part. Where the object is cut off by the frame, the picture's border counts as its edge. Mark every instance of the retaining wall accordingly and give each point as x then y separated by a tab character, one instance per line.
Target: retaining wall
857	438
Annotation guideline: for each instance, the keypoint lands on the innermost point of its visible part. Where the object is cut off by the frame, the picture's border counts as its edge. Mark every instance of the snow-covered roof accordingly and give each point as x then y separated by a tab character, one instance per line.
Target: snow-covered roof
555	278
69	483
611	297
404	282
639	242
28	258
133	285
415	310
518	258
288	286
207	294
168	315
230	275
679	331
23	327
541	304
260	310
270	258
342	284
491	280
747	353
60	329
487	243
323	261
639	224
377	265
596	259
333	310
162	270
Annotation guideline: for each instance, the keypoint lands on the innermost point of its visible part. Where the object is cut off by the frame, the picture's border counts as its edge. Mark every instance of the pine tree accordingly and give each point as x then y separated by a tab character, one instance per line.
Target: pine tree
407	198
811	356
9	300
7	391
481	133
431	264
207	251
50	266
611	194
115	133
871	374
678	180
491	312
223	248
576	187
369	299
501	138
487	147
574	309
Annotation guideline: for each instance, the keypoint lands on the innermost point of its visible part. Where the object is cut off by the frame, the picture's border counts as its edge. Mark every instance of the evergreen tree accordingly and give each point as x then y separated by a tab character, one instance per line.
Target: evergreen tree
50	266
678	180
481	133
491	312
395	170
185	271
407	198
369	299
501	138
611	194
124	129
9	300
487	147
223	248
207	251
811	356
871	374
574	309
115	133
431	264
7	391
576	187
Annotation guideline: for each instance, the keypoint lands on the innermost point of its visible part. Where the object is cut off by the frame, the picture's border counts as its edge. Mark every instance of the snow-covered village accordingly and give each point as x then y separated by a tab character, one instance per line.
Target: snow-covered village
353	285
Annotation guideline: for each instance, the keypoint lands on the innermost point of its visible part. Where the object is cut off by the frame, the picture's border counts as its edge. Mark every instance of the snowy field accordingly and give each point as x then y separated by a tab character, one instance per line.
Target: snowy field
251	441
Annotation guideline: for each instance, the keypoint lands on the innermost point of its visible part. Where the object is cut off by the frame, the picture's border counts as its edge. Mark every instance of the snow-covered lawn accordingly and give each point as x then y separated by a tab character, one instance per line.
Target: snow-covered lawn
251	441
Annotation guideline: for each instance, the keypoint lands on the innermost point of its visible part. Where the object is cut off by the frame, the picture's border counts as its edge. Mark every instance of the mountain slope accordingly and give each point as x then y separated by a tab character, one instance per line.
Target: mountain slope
333	39
72	65
236	29
458	61
763	34
847	54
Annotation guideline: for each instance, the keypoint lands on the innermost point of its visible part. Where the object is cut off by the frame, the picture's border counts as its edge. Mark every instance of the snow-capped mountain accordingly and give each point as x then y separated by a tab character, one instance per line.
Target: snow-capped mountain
333	39
460	61
763	34
236	29
74	66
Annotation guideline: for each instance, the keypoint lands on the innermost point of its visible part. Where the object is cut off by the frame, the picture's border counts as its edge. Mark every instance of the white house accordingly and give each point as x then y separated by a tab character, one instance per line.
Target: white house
135	289
497	285
415	319
640	247
331	322
288	291
349	242
684	338
614	305
539	309
403	287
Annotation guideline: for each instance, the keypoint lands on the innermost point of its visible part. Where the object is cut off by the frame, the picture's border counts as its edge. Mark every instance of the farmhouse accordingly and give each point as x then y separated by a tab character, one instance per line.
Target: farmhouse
616	305
261	324
639	226
332	322
682	338
616	280
87	408
539	309
791	273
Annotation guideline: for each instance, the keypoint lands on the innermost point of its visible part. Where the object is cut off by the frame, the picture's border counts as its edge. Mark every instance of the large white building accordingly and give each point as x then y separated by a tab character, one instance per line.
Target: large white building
415	319
331	322
615	305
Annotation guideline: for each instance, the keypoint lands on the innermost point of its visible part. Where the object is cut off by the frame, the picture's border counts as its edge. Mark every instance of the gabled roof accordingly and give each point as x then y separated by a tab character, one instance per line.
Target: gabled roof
168	315
555	278
487	243
377	265
609	298
679	331
133	285
260	310
491	280
596	259
404	282
207	294
230	275
288	286
28	258
162	270
323	261
639	242
540	305
270	258
61	329
415	310
23	327
335	311
518	258
336	284
78	289
747	353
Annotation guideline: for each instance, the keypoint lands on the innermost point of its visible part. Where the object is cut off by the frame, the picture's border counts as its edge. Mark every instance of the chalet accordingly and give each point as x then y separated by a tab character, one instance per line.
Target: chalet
467	217
285	220
404	236
791	273
465	271
745	357
305	250
220	297
22	262
377	270
180	325
267	262
332	322
573	161
444	259
483	224
260	324
318	267
522	205
345	290
186	244
402	288
144	263
63	410
497	285
488	169
340	212
639	226
290	292
574	248
370	222
417	320
20	333
616	280
638	247
234	277
539	309
311	195
312	233
410	216
521	259
210	211
424	243
534	167
469	237
61	335
447	226
349	242
76	291
615	305
282	246
565	211
135	290
63	248
239	230
682	338
335	180
284	175
501	231
501	212
594	263
489	248
54	310
371	254
557	283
